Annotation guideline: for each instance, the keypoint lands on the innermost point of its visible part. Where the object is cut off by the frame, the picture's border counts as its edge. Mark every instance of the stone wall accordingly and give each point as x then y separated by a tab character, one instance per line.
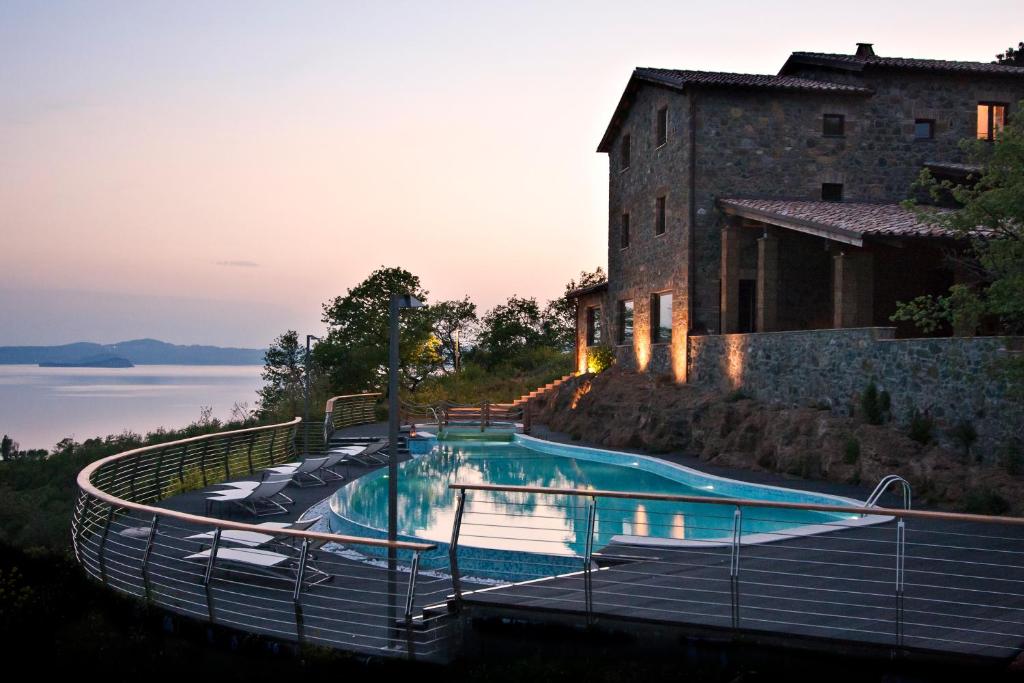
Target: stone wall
953	379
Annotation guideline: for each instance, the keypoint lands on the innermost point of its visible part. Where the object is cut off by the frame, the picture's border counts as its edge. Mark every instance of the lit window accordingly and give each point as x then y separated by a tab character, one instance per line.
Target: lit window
626	322
991	120
659	216
662	127
593	325
624	231
624	153
833	125
832	192
924	129
661	318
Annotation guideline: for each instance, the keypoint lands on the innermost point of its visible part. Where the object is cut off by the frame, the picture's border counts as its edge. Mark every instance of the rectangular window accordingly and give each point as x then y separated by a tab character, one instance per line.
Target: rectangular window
833	125
624	231
661	318
832	192
991	119
659	216
662	126
626	322
593	325
624	153
924	129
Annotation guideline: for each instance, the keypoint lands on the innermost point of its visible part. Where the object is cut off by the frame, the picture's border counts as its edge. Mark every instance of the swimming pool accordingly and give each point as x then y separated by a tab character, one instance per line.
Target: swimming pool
551	530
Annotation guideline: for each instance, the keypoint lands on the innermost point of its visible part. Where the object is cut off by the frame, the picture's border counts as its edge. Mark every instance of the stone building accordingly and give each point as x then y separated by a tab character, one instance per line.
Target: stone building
756	203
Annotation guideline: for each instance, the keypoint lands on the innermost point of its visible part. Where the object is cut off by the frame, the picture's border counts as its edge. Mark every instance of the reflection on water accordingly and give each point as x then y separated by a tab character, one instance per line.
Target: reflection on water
40	406
552	524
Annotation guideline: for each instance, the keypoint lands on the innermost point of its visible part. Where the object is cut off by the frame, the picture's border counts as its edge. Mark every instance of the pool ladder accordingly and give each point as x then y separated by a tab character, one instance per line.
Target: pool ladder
884	484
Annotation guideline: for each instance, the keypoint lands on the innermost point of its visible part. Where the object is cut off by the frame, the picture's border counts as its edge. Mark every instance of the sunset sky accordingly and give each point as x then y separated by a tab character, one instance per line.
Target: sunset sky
212	172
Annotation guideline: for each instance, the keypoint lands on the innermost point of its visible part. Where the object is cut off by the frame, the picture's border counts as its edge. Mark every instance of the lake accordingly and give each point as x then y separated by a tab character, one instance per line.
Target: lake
41	406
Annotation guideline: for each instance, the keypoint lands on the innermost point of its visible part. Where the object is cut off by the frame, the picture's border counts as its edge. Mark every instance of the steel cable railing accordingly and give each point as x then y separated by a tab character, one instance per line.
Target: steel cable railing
348	411
288	586
893	577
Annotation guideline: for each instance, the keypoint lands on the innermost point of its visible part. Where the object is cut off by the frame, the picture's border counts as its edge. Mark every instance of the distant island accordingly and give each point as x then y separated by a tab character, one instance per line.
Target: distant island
134	352
101	361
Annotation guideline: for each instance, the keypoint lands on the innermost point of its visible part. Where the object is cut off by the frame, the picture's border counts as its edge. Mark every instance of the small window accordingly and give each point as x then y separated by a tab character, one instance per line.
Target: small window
659	216
832	192
662	126
624	231
624	153
924	129
661	318
991	120
833	125
626	322
593	325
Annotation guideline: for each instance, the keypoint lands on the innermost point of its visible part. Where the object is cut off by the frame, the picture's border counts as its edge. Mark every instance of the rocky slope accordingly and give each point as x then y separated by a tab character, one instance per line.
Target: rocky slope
621	409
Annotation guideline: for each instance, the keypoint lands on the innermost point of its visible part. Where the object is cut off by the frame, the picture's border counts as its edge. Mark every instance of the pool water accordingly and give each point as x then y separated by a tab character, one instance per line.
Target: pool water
556	525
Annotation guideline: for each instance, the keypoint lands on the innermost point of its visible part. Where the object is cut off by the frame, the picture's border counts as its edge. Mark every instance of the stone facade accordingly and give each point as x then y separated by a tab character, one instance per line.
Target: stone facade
735	141
953	379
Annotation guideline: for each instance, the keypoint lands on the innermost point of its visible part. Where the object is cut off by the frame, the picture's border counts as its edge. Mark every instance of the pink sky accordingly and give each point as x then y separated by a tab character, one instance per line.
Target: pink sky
213	172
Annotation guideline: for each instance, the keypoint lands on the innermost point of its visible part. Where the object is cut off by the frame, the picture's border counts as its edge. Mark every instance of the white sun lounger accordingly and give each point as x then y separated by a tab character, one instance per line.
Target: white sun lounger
255	539
252	499
257	559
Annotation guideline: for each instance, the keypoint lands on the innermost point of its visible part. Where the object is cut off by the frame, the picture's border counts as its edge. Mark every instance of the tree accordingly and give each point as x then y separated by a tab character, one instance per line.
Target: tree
1014	56
454	323
8	448
510	328
559	317
283	376
355	352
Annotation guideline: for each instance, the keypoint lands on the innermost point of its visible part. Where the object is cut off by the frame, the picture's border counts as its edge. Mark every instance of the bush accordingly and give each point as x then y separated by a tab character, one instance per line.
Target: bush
982	502
921	427
1012	459
851	451
737	395
875	406
964	434
600	358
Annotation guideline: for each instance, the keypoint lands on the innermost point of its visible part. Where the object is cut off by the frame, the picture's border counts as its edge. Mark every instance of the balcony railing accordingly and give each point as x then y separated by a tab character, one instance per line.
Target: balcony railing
348	411
126	539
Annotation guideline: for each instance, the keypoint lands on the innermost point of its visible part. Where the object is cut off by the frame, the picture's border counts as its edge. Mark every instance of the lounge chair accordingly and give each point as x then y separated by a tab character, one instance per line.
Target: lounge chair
364	454
257	559
256	539
308	471
262	495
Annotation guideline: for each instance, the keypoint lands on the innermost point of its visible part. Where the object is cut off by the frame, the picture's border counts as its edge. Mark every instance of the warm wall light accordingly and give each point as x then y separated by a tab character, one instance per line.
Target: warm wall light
641	527
583	367
734	361
680	343
642	344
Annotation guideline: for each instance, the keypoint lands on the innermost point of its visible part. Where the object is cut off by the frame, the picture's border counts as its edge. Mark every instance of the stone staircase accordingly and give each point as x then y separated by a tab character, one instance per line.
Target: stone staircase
541	390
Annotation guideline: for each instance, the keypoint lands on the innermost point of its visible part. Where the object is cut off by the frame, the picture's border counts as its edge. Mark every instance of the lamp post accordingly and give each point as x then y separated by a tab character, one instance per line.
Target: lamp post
395	306
305	411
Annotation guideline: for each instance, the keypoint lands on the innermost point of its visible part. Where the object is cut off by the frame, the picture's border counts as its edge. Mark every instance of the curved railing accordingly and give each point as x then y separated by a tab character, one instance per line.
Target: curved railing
126	539
348	411
447	413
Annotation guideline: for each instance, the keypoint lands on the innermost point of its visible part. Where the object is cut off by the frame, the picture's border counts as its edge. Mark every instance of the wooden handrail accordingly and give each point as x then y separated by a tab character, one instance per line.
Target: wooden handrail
747	502
330	401
86	486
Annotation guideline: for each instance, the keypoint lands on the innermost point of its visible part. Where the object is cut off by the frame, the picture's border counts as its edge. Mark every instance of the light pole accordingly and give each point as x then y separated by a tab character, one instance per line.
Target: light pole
395	306
305	411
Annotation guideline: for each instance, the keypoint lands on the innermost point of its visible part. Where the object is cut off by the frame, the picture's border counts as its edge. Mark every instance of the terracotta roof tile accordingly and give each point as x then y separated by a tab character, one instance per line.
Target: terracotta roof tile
681	78
859	62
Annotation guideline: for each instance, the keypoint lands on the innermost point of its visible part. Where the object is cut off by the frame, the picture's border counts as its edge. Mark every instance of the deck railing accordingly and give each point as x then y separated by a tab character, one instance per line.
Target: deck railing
348	411
901	578
124	540
447	413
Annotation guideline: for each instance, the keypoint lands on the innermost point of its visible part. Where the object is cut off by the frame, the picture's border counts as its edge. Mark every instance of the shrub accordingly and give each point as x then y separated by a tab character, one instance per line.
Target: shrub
1012	458
983	502
875	405
851	451
964	434
600	358
921	426
737	395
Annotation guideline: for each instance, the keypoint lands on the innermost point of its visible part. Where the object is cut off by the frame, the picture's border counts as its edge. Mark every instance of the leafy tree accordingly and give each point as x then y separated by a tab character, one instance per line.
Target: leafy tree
355	352
454	324
990	218
283	376
509	329
7	448
1014	56
559	317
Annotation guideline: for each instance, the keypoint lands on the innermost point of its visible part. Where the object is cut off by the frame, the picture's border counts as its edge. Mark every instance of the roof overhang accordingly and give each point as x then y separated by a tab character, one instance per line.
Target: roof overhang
589	289
815	228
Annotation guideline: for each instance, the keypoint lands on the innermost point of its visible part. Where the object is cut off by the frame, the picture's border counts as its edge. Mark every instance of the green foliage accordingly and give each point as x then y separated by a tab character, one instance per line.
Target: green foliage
985	502
1014	56
921	427
283	376
558	321
355	352
875	406
508	329
1012	458
964	433
454	324
505	382
737	395
600	358
851	450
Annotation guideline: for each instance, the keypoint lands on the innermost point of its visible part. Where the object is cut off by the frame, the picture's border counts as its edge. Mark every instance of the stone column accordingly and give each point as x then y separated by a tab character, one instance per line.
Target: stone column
768	283
730	318
853	290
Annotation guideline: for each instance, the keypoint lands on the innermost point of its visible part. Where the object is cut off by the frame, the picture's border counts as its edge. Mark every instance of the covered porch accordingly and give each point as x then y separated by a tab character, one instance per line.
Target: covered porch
804	265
